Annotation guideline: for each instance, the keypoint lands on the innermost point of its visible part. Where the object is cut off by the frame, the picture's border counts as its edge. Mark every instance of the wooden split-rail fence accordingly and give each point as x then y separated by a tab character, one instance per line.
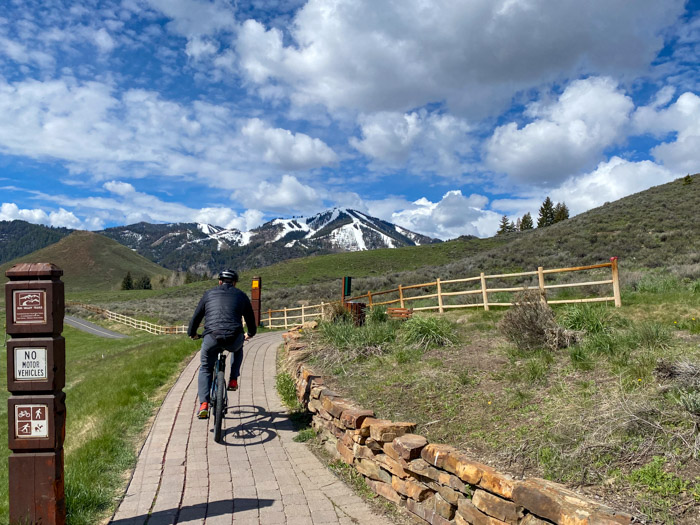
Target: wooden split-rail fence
151	328
443	291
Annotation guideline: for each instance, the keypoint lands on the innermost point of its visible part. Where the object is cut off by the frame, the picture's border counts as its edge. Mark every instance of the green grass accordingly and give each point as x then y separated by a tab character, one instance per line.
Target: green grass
112	389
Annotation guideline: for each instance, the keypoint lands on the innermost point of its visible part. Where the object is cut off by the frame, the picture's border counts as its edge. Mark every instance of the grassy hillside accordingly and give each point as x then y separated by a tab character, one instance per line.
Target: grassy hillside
656	228
19	238
92	262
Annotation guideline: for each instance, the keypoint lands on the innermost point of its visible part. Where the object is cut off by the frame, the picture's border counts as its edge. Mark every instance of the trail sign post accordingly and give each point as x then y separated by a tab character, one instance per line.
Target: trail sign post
36	375
255	291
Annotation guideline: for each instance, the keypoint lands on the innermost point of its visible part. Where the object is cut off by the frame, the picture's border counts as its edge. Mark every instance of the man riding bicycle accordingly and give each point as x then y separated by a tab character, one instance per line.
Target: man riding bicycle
224	307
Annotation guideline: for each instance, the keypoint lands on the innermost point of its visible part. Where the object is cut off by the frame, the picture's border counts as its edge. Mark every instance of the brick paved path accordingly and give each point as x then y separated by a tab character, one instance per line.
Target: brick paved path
258	476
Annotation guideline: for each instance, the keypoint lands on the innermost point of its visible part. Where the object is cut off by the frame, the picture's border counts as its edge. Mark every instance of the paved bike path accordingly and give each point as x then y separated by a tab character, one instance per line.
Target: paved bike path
257	476
92	328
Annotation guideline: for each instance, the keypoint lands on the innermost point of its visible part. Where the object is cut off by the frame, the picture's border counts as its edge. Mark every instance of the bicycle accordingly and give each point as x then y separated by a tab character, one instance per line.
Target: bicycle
218	396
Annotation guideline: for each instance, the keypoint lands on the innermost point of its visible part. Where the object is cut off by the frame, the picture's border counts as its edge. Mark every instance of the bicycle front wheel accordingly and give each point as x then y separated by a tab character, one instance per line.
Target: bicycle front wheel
219	405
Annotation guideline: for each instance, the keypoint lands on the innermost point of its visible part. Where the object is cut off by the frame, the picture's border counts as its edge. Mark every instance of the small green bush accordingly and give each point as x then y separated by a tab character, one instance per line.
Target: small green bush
528	323
287	389
656	479
654	336
304	435
428	331
690	400
655	283
587	318
376	315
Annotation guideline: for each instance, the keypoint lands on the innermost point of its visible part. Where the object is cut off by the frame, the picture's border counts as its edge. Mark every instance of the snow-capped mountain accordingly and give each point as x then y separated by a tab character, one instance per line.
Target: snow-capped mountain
206	247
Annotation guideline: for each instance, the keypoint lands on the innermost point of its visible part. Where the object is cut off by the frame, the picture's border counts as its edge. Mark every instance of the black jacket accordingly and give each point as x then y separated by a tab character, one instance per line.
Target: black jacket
223	307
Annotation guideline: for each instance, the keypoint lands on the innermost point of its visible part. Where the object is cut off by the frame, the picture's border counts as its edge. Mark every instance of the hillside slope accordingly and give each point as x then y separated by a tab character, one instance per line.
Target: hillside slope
92	262
18	238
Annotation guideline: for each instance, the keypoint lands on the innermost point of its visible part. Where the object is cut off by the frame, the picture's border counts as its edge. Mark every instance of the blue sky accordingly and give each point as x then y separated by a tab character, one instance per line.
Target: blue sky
439	116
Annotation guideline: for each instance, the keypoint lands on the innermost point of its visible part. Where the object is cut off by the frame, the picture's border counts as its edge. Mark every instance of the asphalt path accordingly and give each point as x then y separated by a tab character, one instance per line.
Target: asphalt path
91	328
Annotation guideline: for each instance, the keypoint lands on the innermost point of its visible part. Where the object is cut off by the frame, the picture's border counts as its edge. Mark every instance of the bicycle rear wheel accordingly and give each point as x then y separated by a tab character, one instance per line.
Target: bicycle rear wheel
219	405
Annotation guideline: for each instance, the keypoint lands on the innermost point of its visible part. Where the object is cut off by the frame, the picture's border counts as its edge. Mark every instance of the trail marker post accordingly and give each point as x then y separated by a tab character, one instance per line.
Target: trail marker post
36	375
347	288
255	291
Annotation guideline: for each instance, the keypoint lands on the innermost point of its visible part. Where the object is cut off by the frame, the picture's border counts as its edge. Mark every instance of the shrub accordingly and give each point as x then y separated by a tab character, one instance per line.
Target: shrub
654	336
429	331
690	400
587	318
376	315
526	324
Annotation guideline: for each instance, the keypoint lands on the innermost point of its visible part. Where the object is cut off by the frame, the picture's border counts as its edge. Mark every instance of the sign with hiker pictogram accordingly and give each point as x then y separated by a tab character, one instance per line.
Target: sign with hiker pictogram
29	306
31	421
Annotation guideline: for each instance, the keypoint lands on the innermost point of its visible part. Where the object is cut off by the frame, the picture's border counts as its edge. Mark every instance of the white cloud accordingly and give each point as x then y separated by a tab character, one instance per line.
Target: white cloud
681	155
198	48
287	150
103	40
9	211
289	196
452	216
474	55
419	140
196	17
567	135
228	218
610	181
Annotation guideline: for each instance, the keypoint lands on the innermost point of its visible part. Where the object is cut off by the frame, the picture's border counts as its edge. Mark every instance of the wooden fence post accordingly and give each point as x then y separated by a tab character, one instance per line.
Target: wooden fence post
285	318
401	296
323	310
616	282
540	279
302	314
369	299
269	318
439	294
483	291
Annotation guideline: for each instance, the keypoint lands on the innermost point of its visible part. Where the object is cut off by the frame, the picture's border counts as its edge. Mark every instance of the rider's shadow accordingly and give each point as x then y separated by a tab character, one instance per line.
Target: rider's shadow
246	424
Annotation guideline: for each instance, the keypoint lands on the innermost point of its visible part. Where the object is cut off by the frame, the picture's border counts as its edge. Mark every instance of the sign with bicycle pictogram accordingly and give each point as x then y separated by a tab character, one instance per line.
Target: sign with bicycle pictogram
30	364
29	306
31	421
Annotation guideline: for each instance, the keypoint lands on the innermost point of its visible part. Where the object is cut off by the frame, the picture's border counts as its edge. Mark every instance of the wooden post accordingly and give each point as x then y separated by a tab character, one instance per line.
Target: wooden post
540	279
439	294
369	299
323	310
285	318
483	292
616	282
401	296
269	318
302	314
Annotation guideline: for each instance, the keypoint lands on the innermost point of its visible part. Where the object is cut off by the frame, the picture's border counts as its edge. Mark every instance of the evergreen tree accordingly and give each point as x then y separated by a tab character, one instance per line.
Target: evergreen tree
561	212
526	223
143	283
518	224
546	217
128	282
504	226
687	180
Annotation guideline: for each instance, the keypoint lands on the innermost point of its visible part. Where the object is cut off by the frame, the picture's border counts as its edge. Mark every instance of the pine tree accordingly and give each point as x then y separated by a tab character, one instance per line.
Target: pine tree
561	212
687	180
504	226
526	223
128	282
546	217
143	283
518	225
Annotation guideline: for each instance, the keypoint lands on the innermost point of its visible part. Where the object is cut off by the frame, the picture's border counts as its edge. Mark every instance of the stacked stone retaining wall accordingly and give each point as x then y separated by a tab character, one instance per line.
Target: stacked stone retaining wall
436	483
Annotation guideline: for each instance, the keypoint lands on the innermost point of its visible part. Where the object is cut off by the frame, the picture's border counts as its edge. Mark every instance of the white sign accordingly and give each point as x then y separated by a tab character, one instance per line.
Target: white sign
31	421
30	364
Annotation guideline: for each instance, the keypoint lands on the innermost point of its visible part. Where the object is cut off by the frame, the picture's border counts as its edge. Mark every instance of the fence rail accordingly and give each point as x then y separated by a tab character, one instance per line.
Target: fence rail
283	319
151	328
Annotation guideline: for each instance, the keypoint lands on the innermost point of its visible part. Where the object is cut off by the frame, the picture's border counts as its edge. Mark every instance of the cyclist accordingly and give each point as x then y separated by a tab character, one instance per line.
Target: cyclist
224	307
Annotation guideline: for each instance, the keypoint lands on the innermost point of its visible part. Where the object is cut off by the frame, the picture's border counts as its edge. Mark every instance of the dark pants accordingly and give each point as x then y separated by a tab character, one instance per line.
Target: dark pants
209	354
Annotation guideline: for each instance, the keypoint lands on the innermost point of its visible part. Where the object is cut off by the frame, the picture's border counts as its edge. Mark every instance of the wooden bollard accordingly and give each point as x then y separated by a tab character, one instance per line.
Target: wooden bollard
36	375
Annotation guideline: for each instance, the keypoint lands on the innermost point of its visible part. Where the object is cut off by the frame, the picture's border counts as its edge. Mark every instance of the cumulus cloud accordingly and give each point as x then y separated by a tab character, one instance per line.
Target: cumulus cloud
609	181
287	150
682	118
92	129
452	216
287	197
196	17
565	137
9	211
419	140
473	55
228	218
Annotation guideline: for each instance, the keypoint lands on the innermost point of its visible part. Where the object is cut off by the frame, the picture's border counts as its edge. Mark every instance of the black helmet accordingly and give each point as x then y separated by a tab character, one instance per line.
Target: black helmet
228	275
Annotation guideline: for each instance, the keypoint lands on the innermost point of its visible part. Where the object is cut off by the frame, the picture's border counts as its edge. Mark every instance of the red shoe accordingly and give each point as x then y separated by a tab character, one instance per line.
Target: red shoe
203	411
233	384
